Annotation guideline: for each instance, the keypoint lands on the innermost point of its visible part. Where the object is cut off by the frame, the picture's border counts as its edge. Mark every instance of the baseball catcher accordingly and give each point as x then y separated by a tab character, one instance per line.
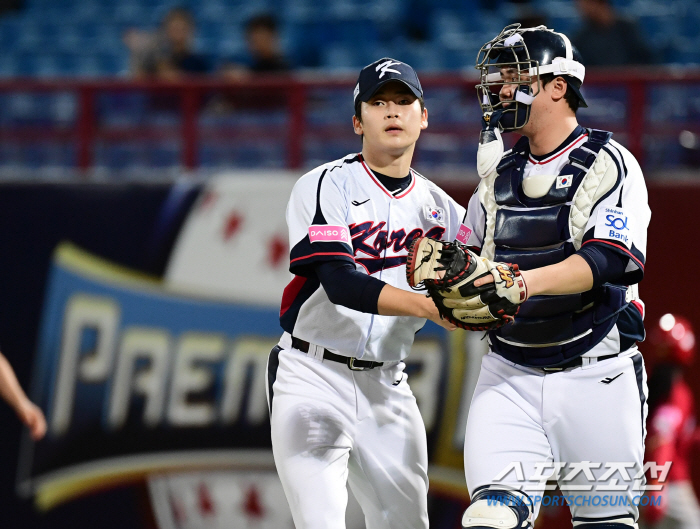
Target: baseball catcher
449	271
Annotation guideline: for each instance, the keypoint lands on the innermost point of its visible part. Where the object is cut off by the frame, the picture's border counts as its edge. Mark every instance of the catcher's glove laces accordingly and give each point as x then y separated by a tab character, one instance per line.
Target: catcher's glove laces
448	271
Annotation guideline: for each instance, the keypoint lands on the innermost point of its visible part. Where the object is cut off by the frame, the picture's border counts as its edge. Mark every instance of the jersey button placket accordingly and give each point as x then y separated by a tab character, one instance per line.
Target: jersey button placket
388	231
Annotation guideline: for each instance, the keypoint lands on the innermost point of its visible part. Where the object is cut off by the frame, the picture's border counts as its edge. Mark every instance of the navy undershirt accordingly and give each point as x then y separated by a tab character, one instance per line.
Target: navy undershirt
343	284
393	185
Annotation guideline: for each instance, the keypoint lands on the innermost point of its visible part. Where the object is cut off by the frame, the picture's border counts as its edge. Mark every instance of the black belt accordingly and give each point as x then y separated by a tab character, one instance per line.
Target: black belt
351	362
577	362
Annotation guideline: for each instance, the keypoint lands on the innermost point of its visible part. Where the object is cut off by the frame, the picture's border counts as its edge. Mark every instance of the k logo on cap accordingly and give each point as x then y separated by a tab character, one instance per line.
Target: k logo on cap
375	75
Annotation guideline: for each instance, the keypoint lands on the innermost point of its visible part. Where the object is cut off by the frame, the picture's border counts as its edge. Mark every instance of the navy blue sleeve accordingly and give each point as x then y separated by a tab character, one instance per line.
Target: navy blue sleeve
305	256
607	265
345	286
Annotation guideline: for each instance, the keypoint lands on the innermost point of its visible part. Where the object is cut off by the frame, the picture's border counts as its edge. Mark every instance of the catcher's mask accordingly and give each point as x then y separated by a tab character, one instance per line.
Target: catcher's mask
516	56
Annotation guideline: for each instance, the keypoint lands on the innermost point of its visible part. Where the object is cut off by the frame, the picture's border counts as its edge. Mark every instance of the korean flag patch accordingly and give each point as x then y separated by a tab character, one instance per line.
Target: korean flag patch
435	214
564	181
614	224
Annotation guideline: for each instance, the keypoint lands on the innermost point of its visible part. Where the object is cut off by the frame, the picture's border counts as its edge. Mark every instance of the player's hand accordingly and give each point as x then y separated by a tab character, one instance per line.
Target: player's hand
444	323
32	416
489	279
483	281
434	316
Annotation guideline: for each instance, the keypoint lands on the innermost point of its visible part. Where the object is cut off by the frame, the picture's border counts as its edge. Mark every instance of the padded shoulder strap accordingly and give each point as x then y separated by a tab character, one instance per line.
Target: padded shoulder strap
602	176
599	136
522	146
517	156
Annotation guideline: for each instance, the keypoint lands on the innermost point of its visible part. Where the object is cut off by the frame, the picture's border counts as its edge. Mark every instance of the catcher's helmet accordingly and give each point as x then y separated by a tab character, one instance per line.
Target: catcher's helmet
673	340
522	54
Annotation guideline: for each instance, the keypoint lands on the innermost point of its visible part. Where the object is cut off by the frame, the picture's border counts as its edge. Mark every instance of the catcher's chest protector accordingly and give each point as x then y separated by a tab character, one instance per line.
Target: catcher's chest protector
539	222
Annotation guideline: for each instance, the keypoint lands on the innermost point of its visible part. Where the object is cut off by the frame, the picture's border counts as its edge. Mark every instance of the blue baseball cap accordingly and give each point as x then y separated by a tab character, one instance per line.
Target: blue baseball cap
375	75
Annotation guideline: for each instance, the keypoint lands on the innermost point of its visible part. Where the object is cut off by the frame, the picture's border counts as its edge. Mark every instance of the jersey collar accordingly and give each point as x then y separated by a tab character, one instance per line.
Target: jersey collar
566	146
381	186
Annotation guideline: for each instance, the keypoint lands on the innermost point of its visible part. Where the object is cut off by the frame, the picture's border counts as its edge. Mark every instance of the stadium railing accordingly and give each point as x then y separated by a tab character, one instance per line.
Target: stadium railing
637	104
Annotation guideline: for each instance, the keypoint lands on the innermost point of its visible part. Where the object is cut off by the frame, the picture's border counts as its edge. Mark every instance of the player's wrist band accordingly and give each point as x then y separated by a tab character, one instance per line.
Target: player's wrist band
352	362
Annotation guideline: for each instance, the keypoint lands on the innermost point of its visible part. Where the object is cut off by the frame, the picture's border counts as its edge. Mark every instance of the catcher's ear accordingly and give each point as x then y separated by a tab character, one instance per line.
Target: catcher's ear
357	125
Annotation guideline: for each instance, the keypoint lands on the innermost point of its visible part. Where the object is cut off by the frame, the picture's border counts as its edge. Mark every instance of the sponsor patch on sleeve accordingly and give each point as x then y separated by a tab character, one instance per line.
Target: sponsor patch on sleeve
614	224
323	233
463	234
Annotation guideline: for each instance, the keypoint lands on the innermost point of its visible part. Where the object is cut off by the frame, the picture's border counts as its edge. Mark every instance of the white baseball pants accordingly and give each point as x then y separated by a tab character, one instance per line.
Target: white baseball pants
331	426
593	413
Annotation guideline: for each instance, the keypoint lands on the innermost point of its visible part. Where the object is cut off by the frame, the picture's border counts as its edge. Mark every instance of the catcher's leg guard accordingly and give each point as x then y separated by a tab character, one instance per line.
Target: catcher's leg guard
611	522
493	507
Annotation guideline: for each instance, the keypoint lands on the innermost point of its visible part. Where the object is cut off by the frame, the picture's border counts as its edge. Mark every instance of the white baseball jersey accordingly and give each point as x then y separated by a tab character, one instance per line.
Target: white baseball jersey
592	412
332	426
619	220
341	211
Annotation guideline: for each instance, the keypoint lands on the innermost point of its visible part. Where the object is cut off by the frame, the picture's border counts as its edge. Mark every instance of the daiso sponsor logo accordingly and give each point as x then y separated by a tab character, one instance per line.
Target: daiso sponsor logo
463	234
328	233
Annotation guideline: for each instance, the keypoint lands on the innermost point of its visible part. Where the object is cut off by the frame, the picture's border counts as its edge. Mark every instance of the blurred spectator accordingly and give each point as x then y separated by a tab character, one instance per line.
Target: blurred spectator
266	56
263	43
606	39
416	19
142	47
168	54
671	424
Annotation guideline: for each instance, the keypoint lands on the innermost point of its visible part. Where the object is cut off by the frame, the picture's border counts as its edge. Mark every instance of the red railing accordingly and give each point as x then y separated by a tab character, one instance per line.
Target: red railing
295	90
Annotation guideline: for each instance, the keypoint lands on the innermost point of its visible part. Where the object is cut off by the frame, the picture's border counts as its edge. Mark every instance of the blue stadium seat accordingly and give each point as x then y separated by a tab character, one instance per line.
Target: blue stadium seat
210	12
133	12
88	65
336	33
423	56
29	39
256	152
46	154
300	11
227	48
121	109
163	154
47	66
9	66
10	31
26	64
68	40
89	12
341	57
330	106
116	156
214	30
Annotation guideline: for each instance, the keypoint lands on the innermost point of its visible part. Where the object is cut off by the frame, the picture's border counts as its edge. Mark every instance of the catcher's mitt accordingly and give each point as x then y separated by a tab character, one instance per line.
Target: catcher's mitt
448	271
